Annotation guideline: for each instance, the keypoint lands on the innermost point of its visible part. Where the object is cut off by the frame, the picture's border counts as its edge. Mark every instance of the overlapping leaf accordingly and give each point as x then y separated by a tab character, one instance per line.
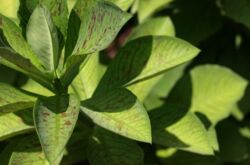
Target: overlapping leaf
119	111
13	124
24	65
137	60
55	118
107	148
98	23
86	82
160	26
12	100
215	91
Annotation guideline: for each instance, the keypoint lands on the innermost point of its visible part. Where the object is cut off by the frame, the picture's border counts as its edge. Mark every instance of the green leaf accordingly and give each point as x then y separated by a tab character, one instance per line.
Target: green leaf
163	87
24	65
55	118
185	132
100	23
13	124
14	37
136	61
9	8
87	80
42	37
28	152
12	99
223	87
34	87
159	26
237	10
72	67
147	7
123	4
107	148
58	10
119	111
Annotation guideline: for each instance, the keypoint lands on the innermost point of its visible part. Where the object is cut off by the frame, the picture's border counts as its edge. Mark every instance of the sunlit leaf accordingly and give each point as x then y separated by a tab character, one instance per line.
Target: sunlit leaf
12	99
137	60
119	111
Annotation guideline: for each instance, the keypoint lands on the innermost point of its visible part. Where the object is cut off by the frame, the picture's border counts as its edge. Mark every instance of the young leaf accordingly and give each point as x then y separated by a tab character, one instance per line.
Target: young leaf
14	37
137	60
42	37
55	118
100	23
119	111
13	124
223	87
107	148
12	100
148	7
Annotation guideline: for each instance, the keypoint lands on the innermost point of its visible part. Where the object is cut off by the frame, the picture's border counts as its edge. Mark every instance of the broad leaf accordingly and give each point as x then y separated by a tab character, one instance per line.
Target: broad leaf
13	124
237	10
216	90
107	148
14	37
119	111
42	37
100	23
137	60
159	26
24	65
123	4
147	7
55	118
12	99
185	132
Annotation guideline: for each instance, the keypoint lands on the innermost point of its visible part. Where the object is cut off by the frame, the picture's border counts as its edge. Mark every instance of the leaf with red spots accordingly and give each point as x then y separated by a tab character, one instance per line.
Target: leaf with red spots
97	24
55	118
121	112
